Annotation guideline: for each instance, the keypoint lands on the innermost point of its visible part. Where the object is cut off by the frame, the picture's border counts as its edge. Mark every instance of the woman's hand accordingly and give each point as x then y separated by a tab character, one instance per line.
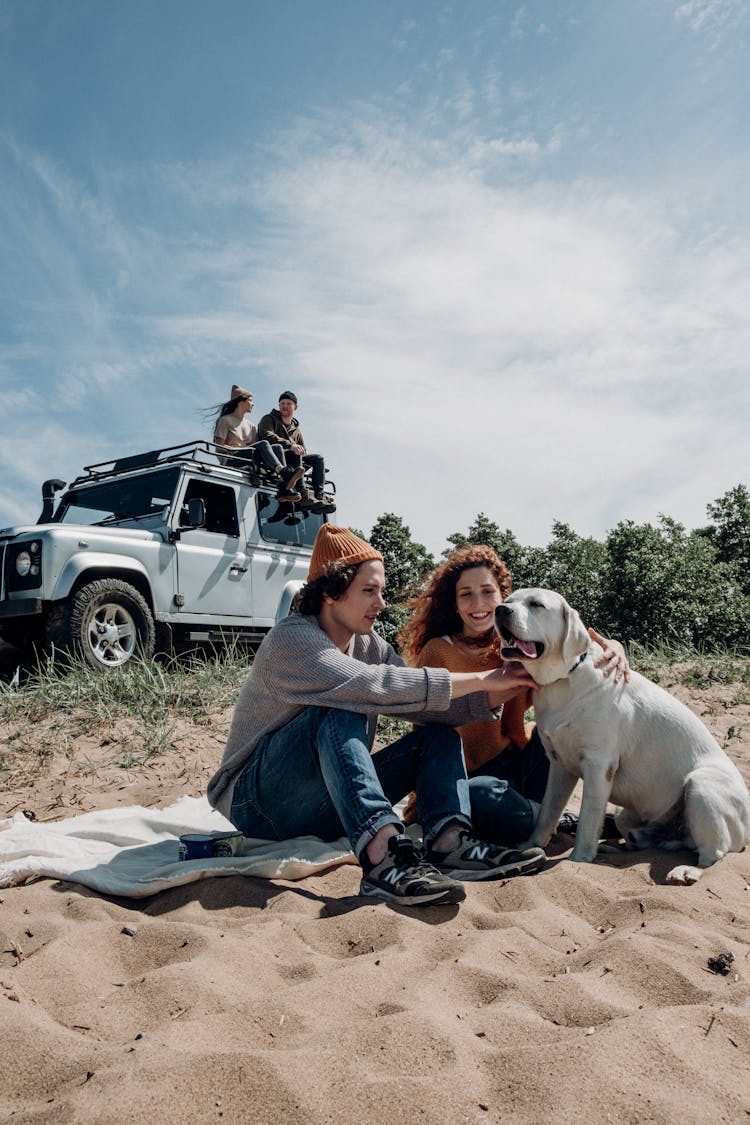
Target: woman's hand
613	659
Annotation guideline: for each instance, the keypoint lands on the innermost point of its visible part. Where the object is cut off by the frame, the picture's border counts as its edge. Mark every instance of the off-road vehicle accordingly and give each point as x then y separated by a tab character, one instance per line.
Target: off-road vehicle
152	549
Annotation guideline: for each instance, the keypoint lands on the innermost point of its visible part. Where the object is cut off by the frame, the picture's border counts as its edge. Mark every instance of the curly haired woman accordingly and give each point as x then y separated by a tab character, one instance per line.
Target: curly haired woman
452	626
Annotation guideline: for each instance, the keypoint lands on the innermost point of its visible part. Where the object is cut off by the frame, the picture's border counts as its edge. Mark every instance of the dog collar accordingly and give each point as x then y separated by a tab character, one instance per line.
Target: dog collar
578	662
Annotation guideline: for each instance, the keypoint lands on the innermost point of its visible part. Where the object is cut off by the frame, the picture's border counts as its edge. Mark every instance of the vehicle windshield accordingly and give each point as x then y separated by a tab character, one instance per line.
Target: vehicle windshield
130	498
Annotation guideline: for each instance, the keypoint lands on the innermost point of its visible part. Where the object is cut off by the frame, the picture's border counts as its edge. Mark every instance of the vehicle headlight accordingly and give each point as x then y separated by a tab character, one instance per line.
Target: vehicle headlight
23	566
23	563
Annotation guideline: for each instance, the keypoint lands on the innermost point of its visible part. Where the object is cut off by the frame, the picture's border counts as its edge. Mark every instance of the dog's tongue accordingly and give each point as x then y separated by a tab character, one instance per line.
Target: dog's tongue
528	648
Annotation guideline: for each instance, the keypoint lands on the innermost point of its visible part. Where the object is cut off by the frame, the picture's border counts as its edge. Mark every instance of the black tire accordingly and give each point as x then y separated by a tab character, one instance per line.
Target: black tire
22	637
165	646
107	623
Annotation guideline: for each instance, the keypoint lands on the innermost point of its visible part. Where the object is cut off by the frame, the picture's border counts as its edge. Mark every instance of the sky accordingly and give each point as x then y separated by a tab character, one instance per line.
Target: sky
498	250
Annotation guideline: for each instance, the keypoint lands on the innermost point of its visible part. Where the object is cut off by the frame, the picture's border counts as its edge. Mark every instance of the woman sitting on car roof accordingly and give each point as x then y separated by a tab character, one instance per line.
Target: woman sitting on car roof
234	431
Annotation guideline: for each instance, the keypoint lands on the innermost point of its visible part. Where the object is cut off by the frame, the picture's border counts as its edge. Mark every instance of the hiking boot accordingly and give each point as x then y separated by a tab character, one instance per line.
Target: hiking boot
290	476
287	496
404	877
568	823
306	498
472	860
324	503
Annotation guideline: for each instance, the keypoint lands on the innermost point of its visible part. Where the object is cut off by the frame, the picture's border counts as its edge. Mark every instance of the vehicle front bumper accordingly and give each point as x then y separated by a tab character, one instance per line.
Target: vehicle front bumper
21	607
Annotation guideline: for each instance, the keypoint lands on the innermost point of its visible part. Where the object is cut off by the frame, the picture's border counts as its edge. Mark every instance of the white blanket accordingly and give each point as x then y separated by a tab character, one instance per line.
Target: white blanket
134	851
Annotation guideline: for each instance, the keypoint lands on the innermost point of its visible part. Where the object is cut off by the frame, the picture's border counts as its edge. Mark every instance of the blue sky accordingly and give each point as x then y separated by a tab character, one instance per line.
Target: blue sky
500	251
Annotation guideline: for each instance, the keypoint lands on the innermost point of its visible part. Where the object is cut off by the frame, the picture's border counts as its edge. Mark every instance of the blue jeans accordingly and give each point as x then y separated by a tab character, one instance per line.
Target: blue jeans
499	814
313	461
315	776
501	791
526	770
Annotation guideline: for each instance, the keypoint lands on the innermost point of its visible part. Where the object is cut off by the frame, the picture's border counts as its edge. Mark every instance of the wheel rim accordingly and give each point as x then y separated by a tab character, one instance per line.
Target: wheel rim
112	635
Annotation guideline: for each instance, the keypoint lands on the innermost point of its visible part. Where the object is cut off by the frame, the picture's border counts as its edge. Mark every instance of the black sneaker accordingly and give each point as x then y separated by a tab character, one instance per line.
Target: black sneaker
404	877
610	831
475	859
568	824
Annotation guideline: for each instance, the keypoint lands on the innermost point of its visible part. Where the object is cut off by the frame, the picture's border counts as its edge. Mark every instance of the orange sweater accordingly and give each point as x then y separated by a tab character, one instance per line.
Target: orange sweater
482	741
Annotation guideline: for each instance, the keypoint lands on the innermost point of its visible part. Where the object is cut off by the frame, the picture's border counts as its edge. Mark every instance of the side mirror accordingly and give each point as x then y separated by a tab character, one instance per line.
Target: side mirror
196	512
49	488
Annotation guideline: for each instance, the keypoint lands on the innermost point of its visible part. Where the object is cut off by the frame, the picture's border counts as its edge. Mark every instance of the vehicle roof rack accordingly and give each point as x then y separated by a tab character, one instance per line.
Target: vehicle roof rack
203	453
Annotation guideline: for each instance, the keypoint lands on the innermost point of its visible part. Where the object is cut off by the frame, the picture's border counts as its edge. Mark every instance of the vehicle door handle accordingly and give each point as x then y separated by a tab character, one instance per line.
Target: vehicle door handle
238	568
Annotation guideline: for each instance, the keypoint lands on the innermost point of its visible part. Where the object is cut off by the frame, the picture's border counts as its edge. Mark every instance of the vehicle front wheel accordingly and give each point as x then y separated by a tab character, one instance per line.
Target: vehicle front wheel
107	622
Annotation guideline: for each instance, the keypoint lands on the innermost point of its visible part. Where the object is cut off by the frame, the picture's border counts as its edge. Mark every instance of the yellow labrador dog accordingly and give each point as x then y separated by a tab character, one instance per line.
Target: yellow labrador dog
633	744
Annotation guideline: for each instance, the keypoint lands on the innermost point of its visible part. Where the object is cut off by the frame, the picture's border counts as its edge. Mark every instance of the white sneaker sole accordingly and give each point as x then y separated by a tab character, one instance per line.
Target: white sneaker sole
438	897
507	871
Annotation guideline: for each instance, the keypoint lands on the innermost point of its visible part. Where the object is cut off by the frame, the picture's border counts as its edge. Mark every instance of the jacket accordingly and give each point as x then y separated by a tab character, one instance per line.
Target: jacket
273	428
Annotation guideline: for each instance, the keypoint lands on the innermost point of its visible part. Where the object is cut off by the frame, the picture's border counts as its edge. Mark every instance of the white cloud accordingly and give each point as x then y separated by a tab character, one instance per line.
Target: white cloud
459	342
712	18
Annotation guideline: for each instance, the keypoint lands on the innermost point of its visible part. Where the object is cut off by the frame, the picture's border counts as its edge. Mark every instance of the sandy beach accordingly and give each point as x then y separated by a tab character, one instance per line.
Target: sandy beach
580	993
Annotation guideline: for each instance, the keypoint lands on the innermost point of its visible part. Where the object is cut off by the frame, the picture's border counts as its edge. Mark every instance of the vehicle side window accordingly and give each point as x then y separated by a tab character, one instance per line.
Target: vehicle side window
221	506
285	523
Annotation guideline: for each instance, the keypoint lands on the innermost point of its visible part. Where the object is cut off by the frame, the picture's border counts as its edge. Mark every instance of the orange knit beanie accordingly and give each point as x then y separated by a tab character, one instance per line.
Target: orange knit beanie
338	544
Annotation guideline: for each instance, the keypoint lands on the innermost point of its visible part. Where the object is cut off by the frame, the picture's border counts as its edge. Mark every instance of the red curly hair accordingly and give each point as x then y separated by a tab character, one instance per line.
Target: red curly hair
434	612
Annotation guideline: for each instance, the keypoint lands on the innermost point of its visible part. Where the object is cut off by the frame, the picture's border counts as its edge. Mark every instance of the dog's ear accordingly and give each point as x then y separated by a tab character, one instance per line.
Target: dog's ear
575	636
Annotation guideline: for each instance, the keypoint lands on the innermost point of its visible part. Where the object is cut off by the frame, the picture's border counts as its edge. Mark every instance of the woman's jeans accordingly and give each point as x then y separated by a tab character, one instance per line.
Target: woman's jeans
505	790
315	776
262	454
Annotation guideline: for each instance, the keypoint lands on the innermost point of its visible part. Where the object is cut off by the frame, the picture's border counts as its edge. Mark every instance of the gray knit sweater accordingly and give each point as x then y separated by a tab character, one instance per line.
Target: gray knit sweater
298	666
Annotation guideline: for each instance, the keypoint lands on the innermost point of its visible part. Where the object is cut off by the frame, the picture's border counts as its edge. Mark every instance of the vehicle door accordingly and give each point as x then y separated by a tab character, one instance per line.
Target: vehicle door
279	542
213	574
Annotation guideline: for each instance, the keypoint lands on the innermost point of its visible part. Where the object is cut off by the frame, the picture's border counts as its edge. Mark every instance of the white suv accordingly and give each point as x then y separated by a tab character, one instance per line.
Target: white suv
161	546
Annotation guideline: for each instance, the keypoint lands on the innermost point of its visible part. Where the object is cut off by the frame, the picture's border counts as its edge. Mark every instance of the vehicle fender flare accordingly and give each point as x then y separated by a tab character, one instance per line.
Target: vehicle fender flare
102	565
288	594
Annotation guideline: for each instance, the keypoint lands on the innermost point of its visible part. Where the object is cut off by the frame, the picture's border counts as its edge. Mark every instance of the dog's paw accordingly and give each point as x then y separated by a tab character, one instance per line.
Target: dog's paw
581	856
684	875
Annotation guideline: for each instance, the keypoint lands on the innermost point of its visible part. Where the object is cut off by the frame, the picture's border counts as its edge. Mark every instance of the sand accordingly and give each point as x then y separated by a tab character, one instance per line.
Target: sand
580	993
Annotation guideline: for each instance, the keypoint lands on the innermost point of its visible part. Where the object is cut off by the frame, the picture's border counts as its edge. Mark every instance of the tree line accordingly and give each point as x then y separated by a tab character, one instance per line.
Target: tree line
655	585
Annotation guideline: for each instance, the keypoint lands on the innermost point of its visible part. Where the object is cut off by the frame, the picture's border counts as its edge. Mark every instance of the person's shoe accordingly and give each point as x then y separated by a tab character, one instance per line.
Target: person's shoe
609	828
308	501
290	476
287	496
473	859
568	823
324	503
404	877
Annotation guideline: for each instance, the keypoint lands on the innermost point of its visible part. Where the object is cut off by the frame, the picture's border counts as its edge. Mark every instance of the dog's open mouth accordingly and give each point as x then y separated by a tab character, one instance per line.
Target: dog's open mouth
516	649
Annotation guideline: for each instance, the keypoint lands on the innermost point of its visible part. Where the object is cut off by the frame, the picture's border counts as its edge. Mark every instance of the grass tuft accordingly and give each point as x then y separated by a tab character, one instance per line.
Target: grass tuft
693	669
151	692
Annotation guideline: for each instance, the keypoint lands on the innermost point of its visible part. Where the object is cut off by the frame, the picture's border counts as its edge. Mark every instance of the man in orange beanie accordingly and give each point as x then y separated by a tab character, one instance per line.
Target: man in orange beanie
298	759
